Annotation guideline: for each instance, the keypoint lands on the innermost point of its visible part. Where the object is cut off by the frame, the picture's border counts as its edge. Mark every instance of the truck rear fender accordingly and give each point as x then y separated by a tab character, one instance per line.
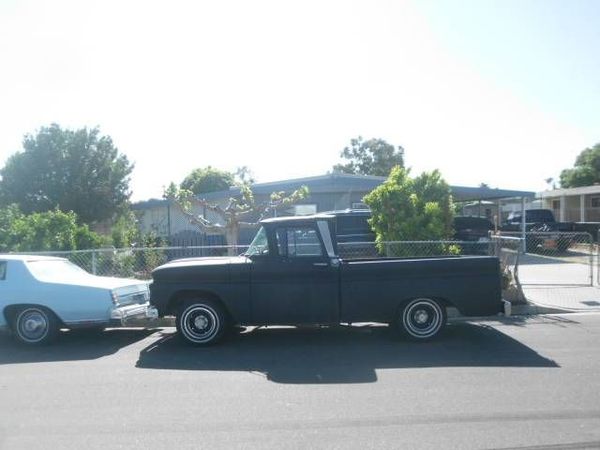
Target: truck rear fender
443	301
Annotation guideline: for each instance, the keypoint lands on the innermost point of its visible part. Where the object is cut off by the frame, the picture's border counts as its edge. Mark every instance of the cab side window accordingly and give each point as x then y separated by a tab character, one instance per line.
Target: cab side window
2	270
298	241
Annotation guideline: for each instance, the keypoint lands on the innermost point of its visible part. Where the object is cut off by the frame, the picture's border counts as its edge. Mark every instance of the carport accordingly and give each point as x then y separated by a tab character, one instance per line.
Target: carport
463	194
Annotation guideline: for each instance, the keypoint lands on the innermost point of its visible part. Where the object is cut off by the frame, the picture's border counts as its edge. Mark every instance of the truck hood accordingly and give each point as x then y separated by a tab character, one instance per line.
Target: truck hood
198	270
204	261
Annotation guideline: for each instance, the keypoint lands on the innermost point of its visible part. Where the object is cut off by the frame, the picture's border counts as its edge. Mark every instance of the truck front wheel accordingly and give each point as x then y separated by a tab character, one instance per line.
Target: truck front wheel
421	319
201	322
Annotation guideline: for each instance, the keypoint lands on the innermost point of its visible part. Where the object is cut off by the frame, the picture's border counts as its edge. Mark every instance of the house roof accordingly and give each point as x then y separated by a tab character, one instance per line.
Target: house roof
468	194
329	183
570	191
343	183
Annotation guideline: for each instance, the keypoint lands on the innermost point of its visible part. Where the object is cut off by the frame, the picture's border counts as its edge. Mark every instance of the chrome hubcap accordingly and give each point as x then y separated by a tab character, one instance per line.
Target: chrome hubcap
421	317
201	322
33	323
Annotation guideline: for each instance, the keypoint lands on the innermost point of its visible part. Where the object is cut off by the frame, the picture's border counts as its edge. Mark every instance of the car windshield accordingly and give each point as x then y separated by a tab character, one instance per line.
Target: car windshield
259	245
52	269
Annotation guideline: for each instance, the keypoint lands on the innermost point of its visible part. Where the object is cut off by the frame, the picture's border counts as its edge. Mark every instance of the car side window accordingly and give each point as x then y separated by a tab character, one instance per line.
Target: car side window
2	270
298	241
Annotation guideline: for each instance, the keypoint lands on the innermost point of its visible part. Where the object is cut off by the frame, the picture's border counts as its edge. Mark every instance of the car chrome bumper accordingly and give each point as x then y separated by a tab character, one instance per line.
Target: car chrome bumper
124	314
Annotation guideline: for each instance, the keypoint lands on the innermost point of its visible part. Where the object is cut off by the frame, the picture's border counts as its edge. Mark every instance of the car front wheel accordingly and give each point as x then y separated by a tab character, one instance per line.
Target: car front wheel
421	319
201	322
35	325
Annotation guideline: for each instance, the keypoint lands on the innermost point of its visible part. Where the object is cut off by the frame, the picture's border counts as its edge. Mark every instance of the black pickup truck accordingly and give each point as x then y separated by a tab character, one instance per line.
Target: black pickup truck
543	230
291	275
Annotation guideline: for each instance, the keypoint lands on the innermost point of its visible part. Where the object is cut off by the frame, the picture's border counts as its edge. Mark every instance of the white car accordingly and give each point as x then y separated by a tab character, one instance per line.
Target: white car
39	295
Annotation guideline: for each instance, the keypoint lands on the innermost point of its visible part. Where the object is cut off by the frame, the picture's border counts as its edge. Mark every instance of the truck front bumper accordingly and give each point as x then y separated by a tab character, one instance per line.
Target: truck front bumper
123	314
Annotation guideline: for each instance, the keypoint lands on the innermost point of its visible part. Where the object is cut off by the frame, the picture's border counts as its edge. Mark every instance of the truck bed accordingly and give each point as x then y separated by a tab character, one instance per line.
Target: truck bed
371	288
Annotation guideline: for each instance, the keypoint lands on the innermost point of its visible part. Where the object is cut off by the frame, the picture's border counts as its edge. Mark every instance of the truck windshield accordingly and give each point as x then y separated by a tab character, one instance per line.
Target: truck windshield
259	245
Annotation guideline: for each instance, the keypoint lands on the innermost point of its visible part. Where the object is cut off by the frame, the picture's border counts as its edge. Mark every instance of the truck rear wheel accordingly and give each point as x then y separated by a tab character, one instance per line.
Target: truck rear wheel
201	322
421	319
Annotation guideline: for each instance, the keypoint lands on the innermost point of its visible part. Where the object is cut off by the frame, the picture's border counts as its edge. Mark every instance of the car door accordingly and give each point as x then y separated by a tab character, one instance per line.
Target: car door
297	283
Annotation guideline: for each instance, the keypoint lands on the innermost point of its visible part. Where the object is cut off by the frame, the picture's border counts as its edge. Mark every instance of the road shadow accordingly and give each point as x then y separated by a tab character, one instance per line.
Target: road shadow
72	346
340	355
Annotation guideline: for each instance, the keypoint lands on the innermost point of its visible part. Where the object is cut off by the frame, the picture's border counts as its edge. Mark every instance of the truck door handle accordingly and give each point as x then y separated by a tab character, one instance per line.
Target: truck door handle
320	264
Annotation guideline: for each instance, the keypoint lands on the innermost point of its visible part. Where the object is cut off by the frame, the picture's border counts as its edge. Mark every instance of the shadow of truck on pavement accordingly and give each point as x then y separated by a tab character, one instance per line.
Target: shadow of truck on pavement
340	355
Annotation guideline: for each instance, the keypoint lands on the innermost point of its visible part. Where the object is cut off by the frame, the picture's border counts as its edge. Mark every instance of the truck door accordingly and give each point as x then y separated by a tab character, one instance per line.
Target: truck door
299	283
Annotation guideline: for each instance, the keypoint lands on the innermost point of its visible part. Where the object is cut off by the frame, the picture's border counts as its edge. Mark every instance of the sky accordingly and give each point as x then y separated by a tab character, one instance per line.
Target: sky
499	92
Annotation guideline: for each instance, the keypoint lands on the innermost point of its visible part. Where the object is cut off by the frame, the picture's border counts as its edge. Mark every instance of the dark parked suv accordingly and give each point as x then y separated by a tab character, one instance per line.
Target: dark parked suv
475	230
356	238
353	232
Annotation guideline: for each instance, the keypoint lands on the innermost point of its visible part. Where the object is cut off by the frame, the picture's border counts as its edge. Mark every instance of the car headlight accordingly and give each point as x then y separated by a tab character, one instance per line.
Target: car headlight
115	297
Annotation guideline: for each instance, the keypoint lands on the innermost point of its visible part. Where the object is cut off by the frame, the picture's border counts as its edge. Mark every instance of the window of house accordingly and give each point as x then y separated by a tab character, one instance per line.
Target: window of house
555	205
595	202
360	205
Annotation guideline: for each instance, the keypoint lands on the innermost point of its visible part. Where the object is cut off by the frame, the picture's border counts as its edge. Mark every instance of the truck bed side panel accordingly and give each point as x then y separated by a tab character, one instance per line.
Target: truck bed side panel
373	290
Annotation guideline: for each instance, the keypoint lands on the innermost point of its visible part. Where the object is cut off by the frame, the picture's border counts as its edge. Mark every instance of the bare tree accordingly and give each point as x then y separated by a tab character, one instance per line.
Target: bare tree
236	215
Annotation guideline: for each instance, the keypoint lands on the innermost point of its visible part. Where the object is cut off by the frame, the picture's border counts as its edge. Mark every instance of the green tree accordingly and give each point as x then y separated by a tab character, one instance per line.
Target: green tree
236	214
78	171
405	208
46	231
243	175
125	232
586	171
372	157
207	179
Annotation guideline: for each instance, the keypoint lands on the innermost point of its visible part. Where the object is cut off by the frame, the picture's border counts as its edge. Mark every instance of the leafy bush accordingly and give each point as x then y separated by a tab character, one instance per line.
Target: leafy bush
412	209
51	230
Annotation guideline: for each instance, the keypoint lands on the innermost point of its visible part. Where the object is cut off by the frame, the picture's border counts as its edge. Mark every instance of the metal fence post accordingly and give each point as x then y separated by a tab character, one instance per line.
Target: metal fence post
94	269
598	257
591	242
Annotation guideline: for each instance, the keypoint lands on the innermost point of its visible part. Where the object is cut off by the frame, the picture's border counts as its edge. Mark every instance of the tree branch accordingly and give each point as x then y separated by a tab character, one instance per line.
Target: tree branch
201	222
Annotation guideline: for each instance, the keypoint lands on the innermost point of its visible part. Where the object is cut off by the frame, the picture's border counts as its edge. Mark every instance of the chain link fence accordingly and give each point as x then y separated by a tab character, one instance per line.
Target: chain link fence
557	258
139	262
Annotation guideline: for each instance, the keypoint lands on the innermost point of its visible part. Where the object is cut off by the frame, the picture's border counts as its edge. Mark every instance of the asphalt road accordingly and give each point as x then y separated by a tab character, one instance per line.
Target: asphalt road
516	384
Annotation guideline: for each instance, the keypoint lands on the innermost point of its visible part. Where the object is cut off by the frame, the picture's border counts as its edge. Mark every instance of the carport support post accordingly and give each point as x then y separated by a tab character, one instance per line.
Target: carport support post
523	225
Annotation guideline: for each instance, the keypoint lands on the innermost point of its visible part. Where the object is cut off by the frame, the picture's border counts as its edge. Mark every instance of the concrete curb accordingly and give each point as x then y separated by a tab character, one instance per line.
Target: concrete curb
532	309
548	309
